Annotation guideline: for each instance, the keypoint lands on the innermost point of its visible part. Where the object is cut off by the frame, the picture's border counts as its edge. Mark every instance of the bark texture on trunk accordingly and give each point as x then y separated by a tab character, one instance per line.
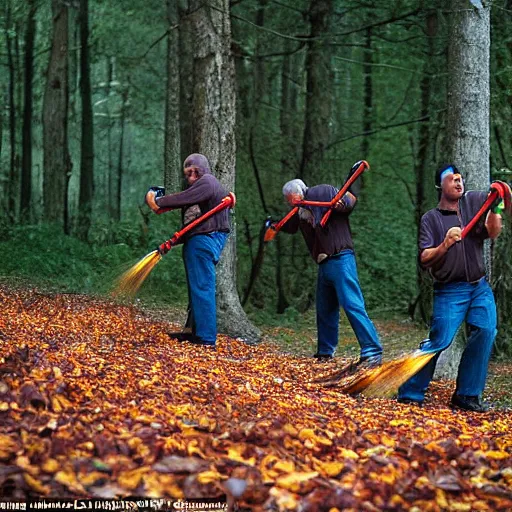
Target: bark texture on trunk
87	141
213	134
56	159
319	82
172	144
26	159
467	120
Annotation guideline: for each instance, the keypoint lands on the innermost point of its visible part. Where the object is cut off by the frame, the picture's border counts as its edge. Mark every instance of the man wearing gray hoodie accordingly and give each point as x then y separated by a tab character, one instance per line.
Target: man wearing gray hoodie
203	245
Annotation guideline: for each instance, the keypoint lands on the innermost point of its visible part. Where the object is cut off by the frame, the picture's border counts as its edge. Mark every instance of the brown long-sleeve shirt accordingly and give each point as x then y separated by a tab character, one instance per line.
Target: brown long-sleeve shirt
206	192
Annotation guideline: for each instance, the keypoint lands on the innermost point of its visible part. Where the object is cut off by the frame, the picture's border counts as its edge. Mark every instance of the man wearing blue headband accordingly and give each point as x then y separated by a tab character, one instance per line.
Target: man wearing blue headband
461	291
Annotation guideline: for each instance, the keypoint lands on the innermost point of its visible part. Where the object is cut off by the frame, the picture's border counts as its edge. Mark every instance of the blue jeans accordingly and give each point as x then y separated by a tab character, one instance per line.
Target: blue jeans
201	253
338	285
455	303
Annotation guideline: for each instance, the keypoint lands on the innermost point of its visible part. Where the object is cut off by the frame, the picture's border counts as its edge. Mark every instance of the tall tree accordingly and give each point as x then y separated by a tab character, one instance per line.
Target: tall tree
213	134
467	120
423	157
319	82
56	159
368	108
26	159
87	139
172	148
11	101
118	182
186	60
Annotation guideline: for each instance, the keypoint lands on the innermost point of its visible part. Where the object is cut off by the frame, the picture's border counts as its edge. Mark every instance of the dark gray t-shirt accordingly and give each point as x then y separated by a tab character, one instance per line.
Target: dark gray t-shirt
464	260
331	239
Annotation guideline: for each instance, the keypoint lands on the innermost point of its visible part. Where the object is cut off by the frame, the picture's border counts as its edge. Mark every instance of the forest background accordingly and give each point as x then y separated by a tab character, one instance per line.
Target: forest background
99	101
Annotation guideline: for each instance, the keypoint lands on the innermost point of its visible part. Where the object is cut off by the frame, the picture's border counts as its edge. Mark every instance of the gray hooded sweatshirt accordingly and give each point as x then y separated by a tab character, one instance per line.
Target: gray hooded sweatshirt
206	192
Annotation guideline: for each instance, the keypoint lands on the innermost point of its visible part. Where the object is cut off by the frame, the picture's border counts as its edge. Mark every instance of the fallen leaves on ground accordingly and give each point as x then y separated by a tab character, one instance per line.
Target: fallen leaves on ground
97	401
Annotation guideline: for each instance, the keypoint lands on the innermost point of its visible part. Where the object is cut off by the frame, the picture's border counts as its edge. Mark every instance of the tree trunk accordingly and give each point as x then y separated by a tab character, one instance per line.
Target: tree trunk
74	59
87	141
56	160
120	159
424	283
467	122
368	108
186	44
172	149
318	90
26	159
11	184
213	134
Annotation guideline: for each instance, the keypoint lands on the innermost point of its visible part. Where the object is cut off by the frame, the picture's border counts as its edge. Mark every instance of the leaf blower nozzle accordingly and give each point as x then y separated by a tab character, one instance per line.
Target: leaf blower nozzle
165	247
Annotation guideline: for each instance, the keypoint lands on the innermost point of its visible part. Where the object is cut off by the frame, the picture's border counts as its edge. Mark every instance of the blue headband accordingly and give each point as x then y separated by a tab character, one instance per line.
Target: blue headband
446	172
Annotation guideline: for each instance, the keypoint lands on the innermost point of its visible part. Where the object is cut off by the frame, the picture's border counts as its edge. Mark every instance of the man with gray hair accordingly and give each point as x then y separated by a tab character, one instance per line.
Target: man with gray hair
337	283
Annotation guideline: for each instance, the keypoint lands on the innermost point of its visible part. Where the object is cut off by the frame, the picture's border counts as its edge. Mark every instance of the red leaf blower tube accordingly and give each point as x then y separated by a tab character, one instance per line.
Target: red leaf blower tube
227	202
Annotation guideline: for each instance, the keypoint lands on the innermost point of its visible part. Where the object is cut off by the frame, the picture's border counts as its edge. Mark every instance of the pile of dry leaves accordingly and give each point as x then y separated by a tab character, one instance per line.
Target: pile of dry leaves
97	401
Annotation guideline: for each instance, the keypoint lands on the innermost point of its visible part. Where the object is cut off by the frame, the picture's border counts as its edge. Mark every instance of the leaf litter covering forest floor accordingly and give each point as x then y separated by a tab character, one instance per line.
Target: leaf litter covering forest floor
97	401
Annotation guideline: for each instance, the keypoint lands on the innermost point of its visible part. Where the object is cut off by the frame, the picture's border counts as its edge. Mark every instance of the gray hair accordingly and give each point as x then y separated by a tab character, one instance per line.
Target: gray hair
294	187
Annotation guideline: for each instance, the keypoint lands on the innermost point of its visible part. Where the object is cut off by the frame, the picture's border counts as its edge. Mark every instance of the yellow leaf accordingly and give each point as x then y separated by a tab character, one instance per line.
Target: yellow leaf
56	404
331	469
8	447
68	479
284	500
376	450
50	466
387	441
234	453
157	486
36	485
458	506
92	478
268	460
290	429
293	481
207	477
193	449
496	455
131	479
396	501
441	499
286	466
307	433
348	454
23	462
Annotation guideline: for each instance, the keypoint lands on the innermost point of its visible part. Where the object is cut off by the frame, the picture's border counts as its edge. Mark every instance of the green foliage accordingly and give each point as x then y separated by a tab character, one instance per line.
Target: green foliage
56	261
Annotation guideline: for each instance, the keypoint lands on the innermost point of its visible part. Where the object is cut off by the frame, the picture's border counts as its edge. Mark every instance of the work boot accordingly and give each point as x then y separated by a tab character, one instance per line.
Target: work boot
468	403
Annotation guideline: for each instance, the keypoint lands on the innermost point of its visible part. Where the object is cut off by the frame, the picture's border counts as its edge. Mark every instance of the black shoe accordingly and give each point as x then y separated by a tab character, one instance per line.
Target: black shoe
468	403
323	357
181	336
410	401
